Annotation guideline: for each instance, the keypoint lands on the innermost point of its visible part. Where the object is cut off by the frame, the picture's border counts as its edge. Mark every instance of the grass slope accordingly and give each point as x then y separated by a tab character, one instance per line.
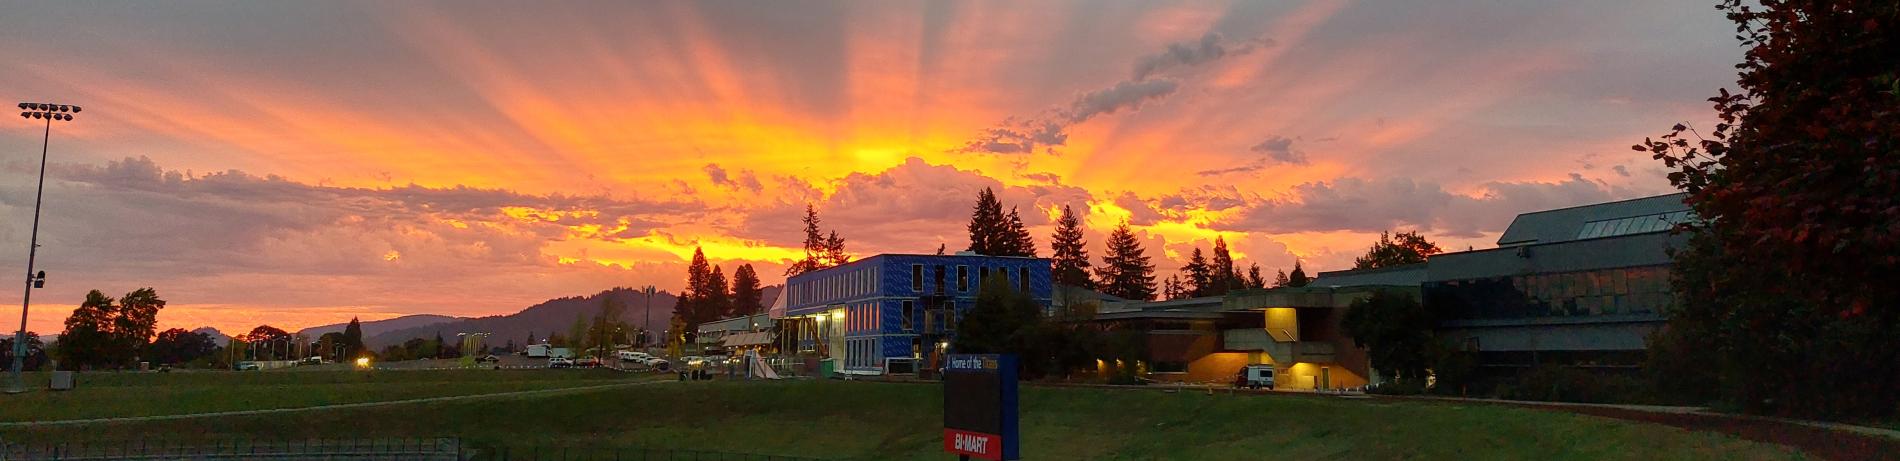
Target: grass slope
903	421
104	395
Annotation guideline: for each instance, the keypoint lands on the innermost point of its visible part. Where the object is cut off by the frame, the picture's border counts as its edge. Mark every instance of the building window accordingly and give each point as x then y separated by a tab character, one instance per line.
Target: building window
1022	278
940	279
909	310
982	275
917	277
963	278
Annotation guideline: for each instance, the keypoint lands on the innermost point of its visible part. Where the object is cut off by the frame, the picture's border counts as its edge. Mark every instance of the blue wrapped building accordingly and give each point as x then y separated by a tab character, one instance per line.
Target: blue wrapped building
895	306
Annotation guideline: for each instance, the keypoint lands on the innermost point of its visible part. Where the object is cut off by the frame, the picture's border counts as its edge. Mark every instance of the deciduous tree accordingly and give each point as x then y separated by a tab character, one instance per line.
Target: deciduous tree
1395	250
1802	175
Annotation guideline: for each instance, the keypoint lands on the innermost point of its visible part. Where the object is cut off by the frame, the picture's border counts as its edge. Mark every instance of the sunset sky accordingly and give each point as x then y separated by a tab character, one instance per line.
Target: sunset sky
299	163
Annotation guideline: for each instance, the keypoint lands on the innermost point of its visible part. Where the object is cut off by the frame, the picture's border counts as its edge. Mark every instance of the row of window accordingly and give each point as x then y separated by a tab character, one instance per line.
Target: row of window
1633	290
1633	225
862	353
938	274
861	282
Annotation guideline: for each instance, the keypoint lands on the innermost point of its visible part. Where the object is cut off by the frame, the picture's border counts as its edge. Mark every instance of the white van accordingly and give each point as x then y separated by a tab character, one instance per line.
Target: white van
1255	377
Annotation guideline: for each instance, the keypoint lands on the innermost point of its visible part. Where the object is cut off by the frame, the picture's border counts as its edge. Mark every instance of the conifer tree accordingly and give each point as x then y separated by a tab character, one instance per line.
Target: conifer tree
1224	275
1197	277
814	245
1298	278
1019	241
716	298
1071	254
1127	271
1253	277
747	297
988	225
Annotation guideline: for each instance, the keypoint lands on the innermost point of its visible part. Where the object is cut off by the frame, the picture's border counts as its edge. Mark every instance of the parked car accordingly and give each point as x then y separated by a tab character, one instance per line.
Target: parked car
312	361
491	358
242	366
657	363
560	362
587	362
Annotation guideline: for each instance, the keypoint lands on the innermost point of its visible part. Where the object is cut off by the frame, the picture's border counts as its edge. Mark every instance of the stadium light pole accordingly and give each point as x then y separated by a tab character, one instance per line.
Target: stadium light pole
646	326
49	113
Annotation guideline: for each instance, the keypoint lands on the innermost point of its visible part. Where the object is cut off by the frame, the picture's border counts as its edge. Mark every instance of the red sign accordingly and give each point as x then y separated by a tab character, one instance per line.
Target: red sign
975	444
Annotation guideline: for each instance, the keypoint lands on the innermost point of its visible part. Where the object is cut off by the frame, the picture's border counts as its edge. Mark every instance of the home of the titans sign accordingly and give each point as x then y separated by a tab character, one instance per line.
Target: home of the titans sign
979	406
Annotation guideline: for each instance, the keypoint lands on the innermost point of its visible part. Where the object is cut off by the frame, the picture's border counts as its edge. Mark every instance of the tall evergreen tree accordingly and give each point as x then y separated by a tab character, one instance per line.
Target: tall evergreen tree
814	245
353	338
1298	277
1281	280
834	251
1171	288
691	300
1019	243
1197	276
1225	276
717	300
1253	277
988	226
1071	254
747	297
1126	270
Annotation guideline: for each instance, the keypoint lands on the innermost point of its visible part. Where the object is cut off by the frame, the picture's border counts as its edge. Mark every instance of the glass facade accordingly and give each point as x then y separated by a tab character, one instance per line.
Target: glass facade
1633	225
1621	291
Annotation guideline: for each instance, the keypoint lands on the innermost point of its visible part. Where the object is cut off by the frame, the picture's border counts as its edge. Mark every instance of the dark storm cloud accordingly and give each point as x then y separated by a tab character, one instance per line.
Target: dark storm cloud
1050	129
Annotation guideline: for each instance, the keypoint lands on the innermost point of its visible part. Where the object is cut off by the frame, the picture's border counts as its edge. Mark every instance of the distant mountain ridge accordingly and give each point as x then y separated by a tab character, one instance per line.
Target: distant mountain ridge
217	337
551	316
376	327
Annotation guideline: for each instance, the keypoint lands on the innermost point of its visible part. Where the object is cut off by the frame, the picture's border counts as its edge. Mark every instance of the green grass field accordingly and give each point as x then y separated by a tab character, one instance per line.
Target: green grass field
831	419
103	395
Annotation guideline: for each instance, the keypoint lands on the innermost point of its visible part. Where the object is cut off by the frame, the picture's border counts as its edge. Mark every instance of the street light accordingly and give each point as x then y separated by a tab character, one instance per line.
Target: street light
49	113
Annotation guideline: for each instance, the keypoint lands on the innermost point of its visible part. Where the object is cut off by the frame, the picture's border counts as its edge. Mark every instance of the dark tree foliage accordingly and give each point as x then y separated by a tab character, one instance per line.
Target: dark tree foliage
1395	250
1126	270
1226	276
1171	288
1253	277
1787	290
691	305
1197	275
1397	333
995	233
747	297
1071	254
35	352
1280	279
1007	320
268	342
1298	277
177	345
353	339
814	245
716	300
103	333
988	226
834	251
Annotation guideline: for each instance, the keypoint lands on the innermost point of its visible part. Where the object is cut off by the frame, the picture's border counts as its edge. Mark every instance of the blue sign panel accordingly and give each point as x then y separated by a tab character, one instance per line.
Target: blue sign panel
979	406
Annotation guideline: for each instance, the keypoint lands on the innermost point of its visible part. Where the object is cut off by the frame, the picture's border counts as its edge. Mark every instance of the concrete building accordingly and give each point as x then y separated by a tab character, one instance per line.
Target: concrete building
1579	286
714	338
1296	329
894	306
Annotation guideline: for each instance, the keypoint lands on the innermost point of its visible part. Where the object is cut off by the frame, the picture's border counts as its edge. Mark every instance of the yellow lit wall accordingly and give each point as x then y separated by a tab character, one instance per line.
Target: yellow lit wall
1283	318
1305	375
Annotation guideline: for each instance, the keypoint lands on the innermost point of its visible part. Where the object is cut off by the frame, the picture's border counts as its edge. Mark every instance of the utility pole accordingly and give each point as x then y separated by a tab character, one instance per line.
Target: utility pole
50	113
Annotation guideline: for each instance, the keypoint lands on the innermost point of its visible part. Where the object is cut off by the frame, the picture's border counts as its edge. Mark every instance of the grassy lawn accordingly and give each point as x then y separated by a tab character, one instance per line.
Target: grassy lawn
101	395
903	421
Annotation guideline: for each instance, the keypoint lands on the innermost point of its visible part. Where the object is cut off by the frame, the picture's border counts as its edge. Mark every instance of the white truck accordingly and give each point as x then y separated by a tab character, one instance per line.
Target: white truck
538	350
1255	377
